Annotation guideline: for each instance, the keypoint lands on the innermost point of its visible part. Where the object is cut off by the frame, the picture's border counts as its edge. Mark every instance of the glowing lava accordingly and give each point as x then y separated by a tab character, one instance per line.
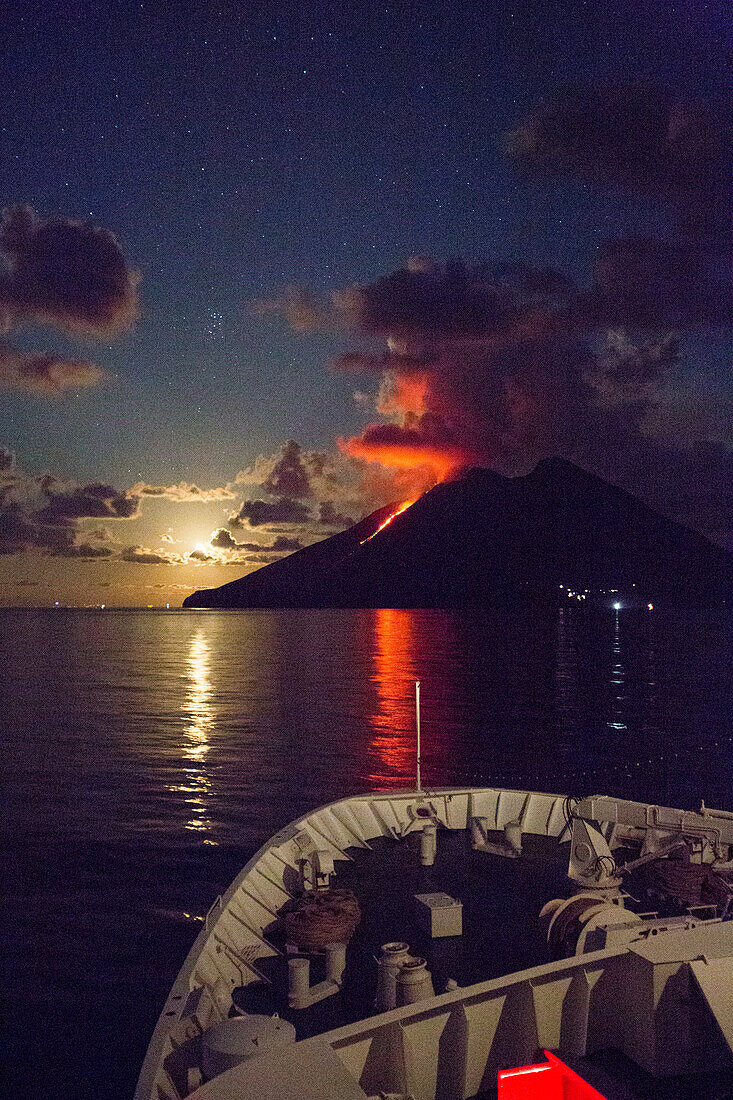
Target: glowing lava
402	508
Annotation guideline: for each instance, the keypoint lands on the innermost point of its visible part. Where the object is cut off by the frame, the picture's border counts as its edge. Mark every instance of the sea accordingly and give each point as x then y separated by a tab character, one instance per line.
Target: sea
146	754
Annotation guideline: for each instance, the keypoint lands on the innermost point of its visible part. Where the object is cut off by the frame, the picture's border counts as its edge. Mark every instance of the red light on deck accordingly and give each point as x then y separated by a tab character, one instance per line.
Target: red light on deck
551	1080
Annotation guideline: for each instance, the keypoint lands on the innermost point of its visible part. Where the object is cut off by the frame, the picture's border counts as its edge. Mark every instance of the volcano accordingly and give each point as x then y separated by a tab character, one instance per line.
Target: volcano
488	540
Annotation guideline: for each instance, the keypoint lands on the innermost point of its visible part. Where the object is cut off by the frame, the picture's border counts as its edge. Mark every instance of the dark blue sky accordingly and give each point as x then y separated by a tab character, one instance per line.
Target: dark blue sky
235	149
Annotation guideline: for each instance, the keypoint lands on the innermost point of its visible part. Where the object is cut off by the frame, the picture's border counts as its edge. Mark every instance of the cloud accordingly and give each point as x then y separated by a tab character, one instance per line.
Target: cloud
44	373
84	501
443	301
302	310
141	555
283	544
255	513
84	550
65	273
183	493
640	280
299	474
625	372
639	135
48	513
224	540
289	477
200	556
20	530
502	367
328	516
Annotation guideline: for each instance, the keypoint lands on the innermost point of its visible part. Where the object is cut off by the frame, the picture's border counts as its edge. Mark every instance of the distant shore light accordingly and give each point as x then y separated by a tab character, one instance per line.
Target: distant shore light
650	606
617	607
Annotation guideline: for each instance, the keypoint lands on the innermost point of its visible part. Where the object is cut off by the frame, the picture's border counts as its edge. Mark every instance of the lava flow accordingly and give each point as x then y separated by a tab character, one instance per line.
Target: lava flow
402	508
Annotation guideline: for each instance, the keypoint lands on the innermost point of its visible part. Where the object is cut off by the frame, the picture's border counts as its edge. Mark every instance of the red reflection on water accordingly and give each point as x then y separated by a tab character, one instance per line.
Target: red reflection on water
392	746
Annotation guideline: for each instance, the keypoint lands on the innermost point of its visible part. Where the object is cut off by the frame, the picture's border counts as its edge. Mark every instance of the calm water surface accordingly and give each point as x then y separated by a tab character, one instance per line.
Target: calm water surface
146	755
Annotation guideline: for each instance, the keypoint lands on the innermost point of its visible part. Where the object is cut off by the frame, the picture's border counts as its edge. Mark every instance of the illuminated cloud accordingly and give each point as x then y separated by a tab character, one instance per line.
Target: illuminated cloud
44	373
183	493
504	366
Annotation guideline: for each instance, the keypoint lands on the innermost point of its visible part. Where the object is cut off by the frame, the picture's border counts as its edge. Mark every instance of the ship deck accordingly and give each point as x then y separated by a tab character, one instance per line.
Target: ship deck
501	900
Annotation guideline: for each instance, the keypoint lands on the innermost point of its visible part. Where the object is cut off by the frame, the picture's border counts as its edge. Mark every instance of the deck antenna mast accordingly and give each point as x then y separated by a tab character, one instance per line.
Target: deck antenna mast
417	722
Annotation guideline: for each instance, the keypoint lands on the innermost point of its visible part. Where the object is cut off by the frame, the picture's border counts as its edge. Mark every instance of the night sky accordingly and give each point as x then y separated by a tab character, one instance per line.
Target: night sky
266	267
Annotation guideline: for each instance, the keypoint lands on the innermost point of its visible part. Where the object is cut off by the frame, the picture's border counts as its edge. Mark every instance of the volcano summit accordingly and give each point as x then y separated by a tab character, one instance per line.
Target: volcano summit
487	539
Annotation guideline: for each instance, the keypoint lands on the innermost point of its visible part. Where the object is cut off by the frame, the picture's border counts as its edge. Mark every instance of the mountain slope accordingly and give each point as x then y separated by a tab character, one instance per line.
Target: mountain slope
485	539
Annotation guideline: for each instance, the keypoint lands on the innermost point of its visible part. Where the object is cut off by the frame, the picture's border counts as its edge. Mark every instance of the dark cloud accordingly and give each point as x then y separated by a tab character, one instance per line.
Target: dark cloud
289	477
44	373
255	513
444	301
81	501
200	556
299	474
645	281
638	135
283	544
627	372
84	550
65	273
22	530
223	540
142	556
47	513
329	516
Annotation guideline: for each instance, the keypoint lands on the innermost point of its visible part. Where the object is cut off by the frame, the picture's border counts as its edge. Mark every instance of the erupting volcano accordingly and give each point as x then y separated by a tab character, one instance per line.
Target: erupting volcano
485	539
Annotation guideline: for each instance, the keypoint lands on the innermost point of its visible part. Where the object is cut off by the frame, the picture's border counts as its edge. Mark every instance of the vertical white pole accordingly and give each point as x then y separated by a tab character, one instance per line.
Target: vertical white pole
417	719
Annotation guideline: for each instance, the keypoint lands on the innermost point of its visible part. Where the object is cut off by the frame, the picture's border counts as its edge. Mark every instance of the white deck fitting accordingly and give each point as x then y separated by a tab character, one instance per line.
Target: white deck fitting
284	1077
714	979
